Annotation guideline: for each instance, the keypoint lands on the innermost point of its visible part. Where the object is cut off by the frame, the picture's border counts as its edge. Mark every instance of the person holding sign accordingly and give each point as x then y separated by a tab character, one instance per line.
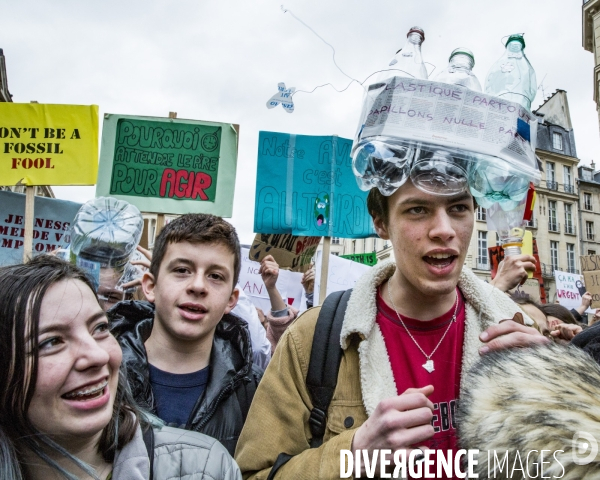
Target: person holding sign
411	330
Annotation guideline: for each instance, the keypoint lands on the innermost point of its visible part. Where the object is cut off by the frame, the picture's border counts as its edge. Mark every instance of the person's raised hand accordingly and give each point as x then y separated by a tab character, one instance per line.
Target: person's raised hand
308	280
566	331
510	334
269	271
586	300
397	422
143	262
513	271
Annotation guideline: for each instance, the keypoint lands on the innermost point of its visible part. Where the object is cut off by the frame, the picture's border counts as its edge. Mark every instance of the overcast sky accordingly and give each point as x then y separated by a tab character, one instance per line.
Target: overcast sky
221	60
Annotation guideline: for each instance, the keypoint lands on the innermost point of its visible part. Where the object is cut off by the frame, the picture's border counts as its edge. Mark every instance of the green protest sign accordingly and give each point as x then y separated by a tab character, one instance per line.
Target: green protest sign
364	258
168	165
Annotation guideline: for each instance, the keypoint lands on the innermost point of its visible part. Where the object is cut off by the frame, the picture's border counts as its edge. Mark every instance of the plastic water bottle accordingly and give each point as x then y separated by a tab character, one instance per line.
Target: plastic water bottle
104	234
408	62
512	77
460	70
383	165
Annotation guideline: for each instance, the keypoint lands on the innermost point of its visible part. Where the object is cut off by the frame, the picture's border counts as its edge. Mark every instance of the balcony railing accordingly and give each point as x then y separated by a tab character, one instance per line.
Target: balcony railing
483	266
553	227
548	270
570	229
550	185
569	188
572	270
590	236
533	223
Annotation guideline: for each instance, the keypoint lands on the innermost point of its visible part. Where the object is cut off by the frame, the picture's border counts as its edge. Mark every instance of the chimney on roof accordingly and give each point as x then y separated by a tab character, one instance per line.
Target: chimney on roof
593	165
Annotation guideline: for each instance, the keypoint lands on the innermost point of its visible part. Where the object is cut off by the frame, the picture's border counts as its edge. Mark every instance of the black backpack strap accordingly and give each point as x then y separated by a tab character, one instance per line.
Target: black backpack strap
282	459
149	441
325	359
323	368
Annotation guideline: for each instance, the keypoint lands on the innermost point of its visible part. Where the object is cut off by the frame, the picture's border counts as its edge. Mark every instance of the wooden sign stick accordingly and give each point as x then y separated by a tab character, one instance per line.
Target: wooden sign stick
160	217
28	227
324	269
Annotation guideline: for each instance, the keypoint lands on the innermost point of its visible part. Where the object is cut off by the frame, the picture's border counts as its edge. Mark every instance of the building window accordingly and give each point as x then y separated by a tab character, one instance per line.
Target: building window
571	258
335	240
589	229
553	255
552	223
591	252
482	251
481	214
551	176
335	253
557	141
152	235
587	201
568	179
569	228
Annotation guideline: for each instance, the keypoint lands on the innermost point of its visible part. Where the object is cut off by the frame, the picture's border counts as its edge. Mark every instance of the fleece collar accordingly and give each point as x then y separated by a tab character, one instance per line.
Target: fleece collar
485	305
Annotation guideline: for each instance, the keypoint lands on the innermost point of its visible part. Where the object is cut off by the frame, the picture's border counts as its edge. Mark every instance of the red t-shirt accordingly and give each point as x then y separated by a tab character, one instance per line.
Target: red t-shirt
407	361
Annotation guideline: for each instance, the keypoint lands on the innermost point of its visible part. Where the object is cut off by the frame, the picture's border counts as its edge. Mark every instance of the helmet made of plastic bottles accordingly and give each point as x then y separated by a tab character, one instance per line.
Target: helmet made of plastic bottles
387	165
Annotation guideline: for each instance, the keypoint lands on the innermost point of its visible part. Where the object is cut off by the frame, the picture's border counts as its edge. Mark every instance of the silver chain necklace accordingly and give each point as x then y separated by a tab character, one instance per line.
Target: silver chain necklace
428	365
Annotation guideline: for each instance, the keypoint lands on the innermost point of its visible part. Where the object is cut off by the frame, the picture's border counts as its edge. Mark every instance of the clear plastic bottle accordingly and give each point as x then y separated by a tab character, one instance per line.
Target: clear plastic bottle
104	234
512	77
460	70
408	62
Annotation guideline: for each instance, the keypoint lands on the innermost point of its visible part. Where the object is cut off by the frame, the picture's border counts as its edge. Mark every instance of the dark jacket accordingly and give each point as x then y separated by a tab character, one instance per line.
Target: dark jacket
589	341
221	410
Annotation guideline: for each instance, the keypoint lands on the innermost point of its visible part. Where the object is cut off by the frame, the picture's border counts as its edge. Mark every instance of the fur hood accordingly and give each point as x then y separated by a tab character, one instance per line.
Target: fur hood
485	305
539	398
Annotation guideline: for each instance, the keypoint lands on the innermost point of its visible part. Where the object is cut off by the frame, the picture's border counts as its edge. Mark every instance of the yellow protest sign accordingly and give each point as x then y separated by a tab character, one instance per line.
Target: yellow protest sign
44	144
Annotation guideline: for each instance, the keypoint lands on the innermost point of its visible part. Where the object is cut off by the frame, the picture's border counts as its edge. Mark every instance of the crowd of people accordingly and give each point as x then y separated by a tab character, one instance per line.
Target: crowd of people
175	374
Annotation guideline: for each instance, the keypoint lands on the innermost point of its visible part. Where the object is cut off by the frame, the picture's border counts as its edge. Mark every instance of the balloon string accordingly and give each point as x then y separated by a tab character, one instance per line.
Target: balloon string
352	79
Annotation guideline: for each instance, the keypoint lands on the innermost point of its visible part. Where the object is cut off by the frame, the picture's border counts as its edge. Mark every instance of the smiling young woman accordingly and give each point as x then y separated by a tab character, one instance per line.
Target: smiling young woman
65	407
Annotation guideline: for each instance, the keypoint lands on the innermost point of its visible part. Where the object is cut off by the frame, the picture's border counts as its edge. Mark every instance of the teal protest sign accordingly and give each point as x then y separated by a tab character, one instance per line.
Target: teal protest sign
168	165
51	225
305	186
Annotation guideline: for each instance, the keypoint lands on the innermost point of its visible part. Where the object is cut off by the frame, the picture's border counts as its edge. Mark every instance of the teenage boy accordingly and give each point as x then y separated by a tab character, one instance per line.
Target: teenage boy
188	360
411	331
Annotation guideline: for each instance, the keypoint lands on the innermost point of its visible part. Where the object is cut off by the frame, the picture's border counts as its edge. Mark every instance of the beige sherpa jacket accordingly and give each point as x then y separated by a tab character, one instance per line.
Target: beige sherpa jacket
278	418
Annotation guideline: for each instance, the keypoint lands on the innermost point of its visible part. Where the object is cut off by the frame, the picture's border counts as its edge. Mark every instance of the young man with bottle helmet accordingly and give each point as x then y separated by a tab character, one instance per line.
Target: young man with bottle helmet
411	330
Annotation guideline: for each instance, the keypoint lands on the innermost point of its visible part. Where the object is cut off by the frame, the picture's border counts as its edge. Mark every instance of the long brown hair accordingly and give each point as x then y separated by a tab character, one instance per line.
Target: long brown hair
23	288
